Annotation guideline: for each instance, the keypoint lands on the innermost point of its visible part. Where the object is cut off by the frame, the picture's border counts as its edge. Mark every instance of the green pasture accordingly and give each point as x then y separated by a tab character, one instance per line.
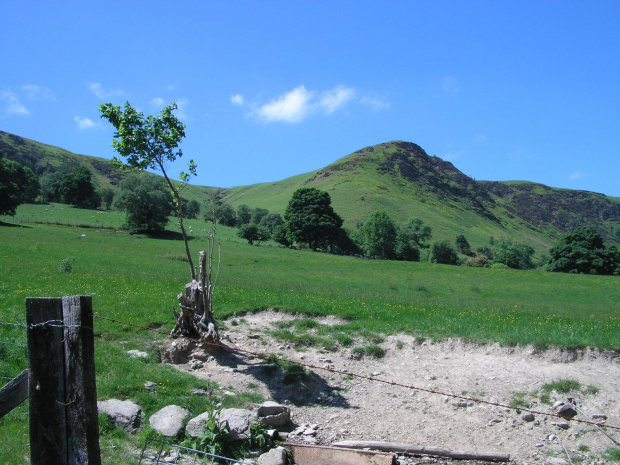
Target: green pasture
136	278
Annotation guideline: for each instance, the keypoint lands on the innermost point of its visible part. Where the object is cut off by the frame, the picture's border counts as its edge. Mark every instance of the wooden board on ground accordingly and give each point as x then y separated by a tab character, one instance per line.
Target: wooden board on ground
304	454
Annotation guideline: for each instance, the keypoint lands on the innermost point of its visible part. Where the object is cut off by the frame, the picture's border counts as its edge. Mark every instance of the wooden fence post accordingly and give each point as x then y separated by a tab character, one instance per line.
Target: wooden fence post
64	426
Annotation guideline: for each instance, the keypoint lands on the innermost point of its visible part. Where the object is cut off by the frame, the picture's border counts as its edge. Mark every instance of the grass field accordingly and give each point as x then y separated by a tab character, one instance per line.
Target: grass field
136	279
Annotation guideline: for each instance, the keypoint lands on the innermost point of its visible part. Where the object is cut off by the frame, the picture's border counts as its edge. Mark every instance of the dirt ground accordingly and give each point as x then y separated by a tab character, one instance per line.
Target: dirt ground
349	408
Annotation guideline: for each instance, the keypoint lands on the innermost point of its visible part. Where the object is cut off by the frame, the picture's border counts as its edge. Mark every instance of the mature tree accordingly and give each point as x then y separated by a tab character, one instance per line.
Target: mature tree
280	235
147	202
77	189
258	214
514	255
411	238
378	236
445	253
224	214
107	197
310	218
192	209
584	251
17	185
244	215
151	143
253	232
50	186
462	245
271	221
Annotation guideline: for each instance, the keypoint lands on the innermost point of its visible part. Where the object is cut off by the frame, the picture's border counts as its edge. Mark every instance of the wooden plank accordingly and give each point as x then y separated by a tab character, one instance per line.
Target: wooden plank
13	393
80	381
46	374
425	450
304	454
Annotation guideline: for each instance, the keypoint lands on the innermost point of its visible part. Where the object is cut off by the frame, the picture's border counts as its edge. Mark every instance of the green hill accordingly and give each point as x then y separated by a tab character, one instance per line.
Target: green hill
398	177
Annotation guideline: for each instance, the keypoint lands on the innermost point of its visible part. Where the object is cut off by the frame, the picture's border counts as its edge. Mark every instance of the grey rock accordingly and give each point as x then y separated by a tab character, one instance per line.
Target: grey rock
124	413
561	424
556	461
274	414
275	456
527	416
169	420
195	426
238	422
137	354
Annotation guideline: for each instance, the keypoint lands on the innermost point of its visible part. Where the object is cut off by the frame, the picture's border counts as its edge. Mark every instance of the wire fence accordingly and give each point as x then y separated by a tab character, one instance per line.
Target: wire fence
173	453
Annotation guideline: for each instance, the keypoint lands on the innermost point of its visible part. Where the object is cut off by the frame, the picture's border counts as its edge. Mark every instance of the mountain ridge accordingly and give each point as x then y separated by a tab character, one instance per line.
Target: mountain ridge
398	177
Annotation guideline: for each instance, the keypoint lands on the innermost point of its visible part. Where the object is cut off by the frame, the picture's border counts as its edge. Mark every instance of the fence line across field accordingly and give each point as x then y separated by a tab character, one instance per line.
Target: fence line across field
359	376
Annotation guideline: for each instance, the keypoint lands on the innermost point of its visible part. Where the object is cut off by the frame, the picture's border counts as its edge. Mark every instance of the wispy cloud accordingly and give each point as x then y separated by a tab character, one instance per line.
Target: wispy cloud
335	98
296	105
84	123
450	85
375	103
158	103
36	92
11	104
481	138
576	175
102	93
237	99
182	104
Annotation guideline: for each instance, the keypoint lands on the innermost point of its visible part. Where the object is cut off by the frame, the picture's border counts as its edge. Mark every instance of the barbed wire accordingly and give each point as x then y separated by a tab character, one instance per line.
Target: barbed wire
20	325
13	344
357	375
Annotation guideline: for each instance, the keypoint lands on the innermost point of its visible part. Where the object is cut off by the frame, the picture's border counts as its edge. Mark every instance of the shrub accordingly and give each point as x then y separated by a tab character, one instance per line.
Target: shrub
66	266
443	252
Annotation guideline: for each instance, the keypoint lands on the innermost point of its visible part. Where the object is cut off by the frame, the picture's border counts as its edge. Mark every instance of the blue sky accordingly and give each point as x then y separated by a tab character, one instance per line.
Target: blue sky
505	90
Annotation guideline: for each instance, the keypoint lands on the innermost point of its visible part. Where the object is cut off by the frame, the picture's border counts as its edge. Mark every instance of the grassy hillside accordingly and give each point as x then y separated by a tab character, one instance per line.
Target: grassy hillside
398	177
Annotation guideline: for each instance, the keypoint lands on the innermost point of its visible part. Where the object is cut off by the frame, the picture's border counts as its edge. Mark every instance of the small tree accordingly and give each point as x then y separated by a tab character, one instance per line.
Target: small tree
584	251
258	214
151	143
244	215
514	255
271	221
107	197
445	253
146	201
462	245
379	236
77	189
17	185
310	218
224	214
253	232
192	209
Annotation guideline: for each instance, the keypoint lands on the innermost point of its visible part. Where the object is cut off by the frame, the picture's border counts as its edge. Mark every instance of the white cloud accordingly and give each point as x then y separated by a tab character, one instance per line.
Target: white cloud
181	105
450	85
12	104
158	103
36	92
375	103
481	138
335	98
299	103
237	99
576	175
292	107
102	93
84	123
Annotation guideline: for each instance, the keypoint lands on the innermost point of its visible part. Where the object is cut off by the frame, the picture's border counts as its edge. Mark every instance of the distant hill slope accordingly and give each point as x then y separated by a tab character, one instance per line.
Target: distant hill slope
398	177
43	158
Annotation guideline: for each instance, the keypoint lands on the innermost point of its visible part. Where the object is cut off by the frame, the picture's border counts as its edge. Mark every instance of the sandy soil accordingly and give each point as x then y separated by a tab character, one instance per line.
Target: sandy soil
346	407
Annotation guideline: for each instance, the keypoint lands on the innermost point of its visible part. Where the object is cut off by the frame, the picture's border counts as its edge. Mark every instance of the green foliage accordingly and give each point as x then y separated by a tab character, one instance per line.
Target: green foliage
17	186
563	386
518	400
191	209
583	251
513	255
211	438
411	238
258	214
271	221
77	189
379	236
310	218
50	187
244	215
253	232
479	261
147	202
444	253
613	455
462	245
280	235
224	214
66	266
107	197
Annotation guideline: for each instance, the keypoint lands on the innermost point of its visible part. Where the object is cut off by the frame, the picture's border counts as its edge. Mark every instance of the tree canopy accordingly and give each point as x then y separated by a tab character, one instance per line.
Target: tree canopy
147	202
379	236
310	218
77	189
583	250
17	185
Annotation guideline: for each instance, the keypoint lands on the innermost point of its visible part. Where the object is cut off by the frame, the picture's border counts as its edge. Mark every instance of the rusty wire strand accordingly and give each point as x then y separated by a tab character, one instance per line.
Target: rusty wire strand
356	375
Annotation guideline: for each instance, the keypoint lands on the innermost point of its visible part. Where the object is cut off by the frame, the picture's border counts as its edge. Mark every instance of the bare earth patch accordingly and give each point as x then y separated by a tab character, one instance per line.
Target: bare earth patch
350	408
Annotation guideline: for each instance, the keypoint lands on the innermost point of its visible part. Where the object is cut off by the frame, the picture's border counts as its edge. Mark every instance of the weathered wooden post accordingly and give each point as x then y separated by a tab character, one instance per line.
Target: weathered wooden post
64	426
